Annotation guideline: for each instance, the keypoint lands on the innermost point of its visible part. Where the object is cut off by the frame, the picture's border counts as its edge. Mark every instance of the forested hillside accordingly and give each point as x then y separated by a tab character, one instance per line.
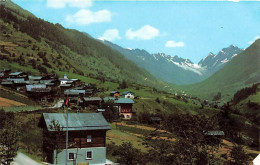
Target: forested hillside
30	41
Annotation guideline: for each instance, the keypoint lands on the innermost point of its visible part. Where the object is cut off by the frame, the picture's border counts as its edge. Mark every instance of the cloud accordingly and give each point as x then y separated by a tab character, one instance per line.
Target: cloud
146	32
85	17
110	35
234	0
252	41
70	3
173	44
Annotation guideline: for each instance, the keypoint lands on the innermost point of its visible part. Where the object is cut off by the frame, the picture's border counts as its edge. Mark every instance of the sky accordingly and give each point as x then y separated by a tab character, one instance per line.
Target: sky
189	29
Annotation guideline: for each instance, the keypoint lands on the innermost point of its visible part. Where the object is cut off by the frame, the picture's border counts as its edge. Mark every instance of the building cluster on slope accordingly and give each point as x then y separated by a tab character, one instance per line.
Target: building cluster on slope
86	131
49	87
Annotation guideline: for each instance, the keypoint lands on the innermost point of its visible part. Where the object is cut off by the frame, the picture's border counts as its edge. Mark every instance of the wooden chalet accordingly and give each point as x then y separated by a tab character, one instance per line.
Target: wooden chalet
92	101
124	105
34	79
6	83
87	138
40	93
65	86
214	137
18	83
74	93
18	75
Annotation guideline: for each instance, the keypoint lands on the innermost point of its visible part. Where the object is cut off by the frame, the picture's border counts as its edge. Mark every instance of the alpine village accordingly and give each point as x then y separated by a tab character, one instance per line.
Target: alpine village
67	98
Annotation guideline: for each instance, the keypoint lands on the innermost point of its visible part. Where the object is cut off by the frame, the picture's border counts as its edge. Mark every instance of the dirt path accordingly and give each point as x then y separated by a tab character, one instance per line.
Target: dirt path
140	127
8	103
22	159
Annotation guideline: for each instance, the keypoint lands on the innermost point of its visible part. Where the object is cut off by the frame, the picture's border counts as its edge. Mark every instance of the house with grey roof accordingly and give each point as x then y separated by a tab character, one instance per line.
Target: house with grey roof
214	137
74	92
124	105
92	101
18	75
86	138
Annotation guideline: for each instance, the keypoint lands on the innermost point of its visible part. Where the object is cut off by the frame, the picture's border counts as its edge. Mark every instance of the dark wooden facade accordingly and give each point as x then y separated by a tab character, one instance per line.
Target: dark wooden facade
126	108
78	139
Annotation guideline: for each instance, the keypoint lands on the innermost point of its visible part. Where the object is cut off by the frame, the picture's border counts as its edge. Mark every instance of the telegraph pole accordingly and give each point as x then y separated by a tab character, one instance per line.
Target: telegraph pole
67	129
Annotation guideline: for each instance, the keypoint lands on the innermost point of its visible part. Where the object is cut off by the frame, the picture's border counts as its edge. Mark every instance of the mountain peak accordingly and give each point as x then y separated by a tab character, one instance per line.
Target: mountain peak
224	56
232	46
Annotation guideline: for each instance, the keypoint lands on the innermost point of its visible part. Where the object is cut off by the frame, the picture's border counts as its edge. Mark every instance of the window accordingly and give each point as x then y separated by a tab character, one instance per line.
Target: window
89	139
71	156
89	155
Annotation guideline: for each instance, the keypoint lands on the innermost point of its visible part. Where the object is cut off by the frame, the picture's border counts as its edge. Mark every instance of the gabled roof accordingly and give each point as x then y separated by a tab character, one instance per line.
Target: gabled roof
155	118
40	90
76	121
92	99
113	92
15	73
126	92
6	82
15	79
215	133
119	100
124	101
74	92
65	85
32	86
35	78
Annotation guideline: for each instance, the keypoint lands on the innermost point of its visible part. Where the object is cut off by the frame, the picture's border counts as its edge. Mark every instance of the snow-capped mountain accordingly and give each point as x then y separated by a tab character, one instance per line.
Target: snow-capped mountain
214	62
174	69
185	64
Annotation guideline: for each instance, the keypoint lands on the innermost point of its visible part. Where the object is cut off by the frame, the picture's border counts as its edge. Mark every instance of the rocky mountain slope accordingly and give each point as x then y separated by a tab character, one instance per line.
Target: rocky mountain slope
174	69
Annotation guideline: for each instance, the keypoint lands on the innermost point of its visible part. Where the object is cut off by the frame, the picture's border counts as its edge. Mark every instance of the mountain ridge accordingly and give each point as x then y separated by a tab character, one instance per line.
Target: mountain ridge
242	71
174	69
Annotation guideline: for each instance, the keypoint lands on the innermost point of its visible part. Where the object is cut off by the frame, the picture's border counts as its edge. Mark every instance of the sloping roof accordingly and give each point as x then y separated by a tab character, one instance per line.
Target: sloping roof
16	79
32	86
74	91
15	73
45	81
126	92
65	85
215	133
35	78
120	100
76	121
113	92
92	99
40	90
155	118
124	101
6	82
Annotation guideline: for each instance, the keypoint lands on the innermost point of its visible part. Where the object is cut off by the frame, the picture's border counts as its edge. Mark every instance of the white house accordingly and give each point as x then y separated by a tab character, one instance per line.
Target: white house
128	94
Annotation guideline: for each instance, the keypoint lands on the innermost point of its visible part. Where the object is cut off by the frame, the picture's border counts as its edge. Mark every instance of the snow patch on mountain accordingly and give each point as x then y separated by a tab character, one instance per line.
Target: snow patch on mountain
225	60
188	66
155	57
234	55
141	57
